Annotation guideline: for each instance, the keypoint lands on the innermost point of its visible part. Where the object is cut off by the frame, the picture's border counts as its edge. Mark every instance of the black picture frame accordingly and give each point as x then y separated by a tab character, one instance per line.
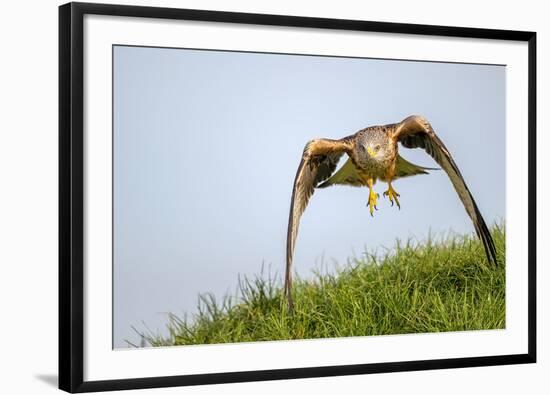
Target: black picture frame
71	195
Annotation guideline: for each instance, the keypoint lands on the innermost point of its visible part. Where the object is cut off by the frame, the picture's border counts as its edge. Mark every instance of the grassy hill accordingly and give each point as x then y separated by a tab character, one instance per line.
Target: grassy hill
417	287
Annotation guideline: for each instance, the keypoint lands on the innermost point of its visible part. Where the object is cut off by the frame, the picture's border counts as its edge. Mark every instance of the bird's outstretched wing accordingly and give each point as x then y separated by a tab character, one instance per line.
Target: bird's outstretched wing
319	160
416	132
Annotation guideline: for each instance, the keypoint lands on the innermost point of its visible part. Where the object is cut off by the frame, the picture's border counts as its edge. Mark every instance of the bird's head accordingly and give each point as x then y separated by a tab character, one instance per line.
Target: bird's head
376	145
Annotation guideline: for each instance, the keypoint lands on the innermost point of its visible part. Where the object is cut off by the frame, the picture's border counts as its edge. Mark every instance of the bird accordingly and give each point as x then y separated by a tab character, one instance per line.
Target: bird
373	155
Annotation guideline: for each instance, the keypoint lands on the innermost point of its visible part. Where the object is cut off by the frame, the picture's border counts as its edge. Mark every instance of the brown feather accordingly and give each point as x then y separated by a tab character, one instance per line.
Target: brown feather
416	132
319	160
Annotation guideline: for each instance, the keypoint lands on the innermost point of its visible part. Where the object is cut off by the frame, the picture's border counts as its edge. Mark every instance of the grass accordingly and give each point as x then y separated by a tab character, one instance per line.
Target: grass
415	288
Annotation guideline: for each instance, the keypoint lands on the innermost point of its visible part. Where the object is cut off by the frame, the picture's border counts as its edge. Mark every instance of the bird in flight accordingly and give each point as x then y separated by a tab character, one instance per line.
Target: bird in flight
373	155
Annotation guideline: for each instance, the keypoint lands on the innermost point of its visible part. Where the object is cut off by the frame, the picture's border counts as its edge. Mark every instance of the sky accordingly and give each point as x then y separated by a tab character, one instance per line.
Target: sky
206	147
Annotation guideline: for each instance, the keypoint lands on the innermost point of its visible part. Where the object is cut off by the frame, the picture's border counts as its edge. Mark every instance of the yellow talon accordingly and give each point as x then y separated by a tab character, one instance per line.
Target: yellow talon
373	196
392	195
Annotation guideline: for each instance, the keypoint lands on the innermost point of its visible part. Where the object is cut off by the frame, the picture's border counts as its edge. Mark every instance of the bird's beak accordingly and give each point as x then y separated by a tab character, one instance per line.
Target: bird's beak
371	152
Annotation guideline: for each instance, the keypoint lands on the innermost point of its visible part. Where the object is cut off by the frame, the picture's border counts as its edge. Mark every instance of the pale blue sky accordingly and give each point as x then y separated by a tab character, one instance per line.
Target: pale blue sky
206	146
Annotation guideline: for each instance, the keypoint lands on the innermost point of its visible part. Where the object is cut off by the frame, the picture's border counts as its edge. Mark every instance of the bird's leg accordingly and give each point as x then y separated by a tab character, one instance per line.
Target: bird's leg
392	195
373	196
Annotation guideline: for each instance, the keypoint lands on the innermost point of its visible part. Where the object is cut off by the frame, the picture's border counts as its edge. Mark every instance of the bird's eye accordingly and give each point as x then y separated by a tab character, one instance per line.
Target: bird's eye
377	148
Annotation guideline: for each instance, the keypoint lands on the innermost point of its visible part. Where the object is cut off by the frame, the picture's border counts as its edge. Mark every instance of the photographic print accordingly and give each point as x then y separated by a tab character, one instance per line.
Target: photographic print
248	197
280	197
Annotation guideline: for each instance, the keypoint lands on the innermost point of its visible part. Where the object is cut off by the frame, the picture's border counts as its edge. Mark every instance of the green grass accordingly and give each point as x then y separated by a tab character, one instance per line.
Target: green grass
415	288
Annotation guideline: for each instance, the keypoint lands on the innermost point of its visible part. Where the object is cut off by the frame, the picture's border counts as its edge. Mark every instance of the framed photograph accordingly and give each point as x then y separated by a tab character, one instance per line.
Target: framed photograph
250	197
